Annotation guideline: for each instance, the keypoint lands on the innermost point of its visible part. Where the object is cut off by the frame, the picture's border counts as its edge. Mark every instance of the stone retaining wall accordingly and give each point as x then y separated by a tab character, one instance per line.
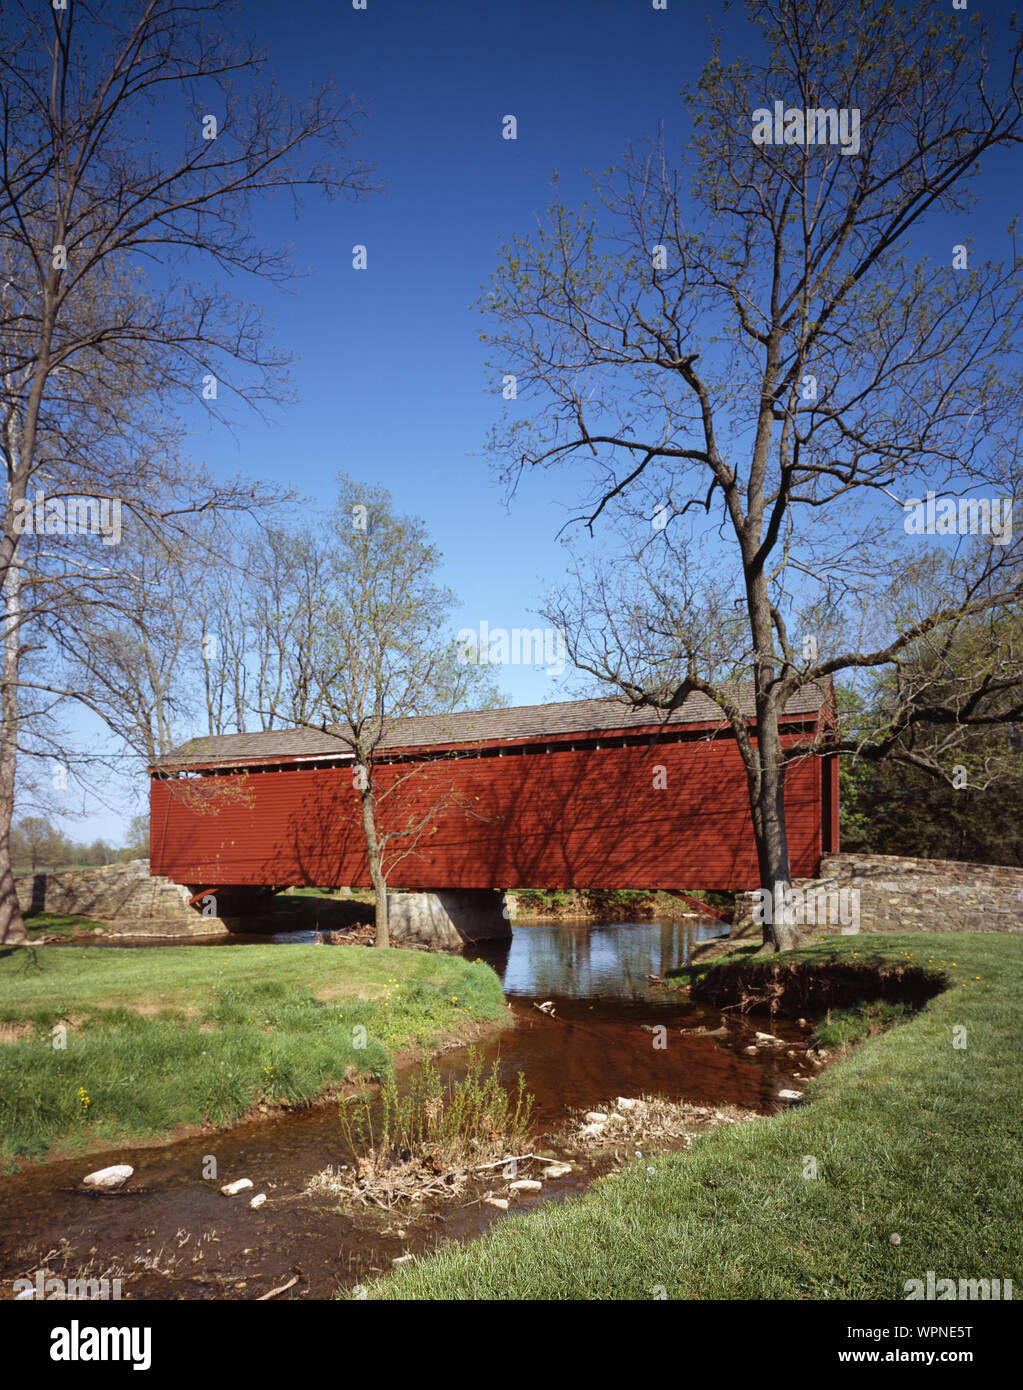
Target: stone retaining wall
123	896
897	893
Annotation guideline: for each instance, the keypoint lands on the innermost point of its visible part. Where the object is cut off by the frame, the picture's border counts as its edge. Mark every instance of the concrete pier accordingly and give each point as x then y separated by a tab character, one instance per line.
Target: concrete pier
450	918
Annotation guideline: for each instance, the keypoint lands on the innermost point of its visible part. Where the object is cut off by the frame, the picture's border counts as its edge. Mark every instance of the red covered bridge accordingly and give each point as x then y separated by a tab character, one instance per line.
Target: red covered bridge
581	794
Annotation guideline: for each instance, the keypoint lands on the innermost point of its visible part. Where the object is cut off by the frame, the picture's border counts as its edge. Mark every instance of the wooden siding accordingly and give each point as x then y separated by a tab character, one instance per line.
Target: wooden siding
520	817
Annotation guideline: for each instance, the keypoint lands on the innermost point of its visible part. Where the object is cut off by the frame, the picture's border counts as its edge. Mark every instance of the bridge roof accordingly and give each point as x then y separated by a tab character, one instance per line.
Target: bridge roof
517	724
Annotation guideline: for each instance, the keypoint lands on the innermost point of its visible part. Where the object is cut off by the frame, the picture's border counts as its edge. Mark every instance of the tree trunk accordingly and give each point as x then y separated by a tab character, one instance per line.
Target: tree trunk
780	929
766	777
376	875
12	927
383	928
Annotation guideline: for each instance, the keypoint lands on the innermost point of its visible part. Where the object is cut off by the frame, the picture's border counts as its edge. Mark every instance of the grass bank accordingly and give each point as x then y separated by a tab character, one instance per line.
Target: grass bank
174	1036
61	924
914	1134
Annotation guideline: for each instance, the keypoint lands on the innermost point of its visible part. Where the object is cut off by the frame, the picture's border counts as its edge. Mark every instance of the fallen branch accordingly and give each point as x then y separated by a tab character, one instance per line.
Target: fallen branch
510	1158
274	1292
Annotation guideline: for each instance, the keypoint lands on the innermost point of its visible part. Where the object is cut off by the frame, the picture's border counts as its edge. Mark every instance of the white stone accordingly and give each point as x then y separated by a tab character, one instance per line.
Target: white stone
500	1202
258	1201
790	1095
526	1185
596	1117
557	1170
591	1131
402	1259
767	1038
624	1103
231	1189
109	1177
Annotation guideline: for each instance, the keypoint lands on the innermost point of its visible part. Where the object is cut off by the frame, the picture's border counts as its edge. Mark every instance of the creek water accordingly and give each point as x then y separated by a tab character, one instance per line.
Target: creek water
612	1033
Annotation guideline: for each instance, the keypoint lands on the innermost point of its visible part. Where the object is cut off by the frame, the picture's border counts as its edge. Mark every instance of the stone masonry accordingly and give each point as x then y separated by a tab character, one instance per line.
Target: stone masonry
123	896
903	894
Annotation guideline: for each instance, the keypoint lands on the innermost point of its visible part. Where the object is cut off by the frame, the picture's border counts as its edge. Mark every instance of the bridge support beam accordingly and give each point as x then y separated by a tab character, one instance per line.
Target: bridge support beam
450	918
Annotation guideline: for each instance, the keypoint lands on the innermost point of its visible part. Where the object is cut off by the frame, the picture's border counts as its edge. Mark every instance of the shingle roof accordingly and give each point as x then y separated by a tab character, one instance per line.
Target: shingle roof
519	723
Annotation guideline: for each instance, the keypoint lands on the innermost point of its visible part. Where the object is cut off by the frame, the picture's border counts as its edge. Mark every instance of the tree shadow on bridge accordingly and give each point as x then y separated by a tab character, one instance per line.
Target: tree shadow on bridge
588	813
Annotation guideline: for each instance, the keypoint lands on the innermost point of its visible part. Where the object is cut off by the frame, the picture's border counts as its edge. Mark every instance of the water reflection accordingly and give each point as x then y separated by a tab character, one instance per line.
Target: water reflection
593	962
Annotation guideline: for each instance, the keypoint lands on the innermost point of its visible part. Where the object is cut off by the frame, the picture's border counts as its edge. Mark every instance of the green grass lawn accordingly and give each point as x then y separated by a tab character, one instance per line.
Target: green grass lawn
910	1135
177	1035
60	924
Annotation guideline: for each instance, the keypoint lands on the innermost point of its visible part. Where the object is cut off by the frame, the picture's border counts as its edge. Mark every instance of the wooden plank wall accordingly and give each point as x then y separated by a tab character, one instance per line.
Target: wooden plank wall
674	815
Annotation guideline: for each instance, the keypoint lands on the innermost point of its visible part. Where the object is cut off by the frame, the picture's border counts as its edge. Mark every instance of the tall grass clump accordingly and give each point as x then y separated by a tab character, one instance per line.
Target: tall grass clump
453	1125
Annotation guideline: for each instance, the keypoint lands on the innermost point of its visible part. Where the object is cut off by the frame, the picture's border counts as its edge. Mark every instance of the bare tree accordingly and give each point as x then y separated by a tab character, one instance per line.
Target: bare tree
129	659
371	652
95	189
289	574
331	624
761	383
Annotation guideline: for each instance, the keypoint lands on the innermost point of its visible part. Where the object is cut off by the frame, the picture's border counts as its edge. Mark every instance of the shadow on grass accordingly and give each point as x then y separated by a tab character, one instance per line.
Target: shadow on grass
793	987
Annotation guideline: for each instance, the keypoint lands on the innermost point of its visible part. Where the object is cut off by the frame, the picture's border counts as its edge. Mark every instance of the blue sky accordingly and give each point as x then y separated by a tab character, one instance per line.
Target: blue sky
389	368
392	373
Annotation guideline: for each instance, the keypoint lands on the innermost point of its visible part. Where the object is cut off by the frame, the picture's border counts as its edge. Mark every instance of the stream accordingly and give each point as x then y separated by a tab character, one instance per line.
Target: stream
178	1237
